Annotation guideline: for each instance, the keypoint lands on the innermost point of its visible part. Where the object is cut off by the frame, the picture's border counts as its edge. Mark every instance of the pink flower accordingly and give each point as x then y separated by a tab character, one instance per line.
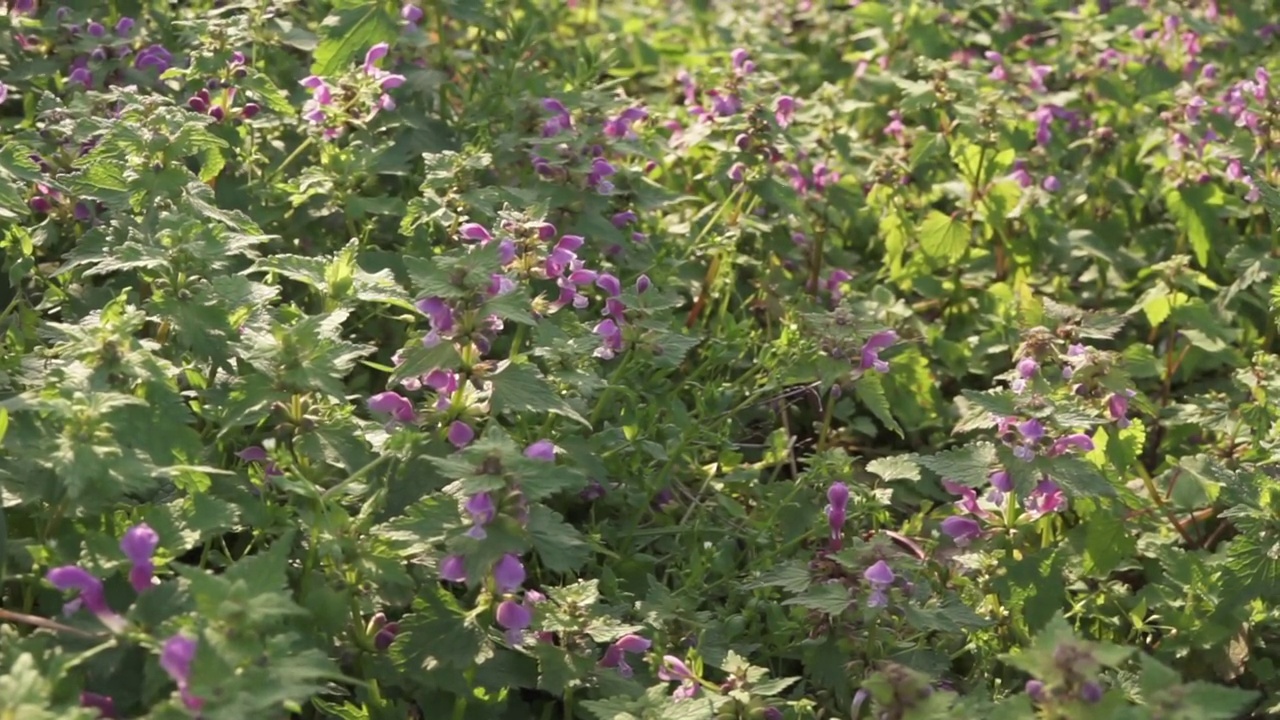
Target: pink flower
92	595
176	656
616	655
393	404
460	434
139	545
376	53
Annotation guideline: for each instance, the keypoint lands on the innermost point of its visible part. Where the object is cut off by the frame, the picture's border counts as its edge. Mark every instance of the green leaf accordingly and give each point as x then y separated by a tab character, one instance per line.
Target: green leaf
559	669
1108	542
1192	206
969	465
870	390
945	237
1076	476
1001	403
952	617
1270	196
792	577
438	634
896	467
828	598
560	547
1207	701
520	388
350	31
420	360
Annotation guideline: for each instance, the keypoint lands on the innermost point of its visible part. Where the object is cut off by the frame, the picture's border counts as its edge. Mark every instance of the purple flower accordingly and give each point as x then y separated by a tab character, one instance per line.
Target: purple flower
838	499
514	618
880	576
139	545
616	655
1091	692
1001	481
92	596
737	172
643	283
1027	367
105	706
871	350
385	636
611	334
784	110
1050	183
1118	407
97	29
371	58
453	568
609	284
1046	498
124	25
623	219
673	669
394	404
725	105
460	434
1035	690
1020	174
474	231
411	13
154	56
438	313
895	129
541	450
258	454
961	529
82	76
1031	430
620	127
508	574
482	511
4	92
1078	441
176	656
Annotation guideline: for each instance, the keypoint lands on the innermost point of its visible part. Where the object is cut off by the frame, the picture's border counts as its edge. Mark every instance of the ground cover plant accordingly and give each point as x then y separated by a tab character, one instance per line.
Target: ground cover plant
773	359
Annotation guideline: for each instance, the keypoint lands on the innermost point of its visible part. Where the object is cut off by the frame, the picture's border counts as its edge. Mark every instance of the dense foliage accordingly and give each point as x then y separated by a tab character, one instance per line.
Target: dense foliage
642	359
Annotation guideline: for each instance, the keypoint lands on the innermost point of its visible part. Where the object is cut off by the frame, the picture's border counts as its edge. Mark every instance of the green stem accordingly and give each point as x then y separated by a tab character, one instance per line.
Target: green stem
302	147
517	341
608	390
357	475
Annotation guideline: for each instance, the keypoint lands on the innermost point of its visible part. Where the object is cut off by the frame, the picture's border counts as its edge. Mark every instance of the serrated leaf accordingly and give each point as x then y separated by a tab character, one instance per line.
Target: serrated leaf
560	547
870	390
1001	403
896	467
792	577
952	617
1108	541
420	360
1266	191
828	598
438	634
970	465
769	688
520	388
1076	476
